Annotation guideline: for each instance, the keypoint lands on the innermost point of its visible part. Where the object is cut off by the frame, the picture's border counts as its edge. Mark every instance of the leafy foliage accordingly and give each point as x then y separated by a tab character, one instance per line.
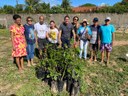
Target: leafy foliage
98	80
36	6
88	5
66	6
120	8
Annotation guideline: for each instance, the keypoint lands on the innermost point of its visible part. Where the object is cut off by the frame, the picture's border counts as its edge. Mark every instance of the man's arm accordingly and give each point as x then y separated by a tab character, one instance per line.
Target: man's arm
36	38
99	36
113	35
113	38
35	33
59	36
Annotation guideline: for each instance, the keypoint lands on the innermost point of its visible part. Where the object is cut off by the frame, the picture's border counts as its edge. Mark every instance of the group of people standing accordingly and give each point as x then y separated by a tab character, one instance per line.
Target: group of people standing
26	37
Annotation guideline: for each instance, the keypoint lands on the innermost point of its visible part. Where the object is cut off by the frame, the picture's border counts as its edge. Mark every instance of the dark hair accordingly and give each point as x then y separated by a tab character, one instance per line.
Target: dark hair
16	16
76	17
28	18
84	22
66	17
52	21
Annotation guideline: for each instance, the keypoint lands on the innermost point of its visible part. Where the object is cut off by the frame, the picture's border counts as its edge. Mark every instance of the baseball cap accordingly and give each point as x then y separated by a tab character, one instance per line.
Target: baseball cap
96	19
108	18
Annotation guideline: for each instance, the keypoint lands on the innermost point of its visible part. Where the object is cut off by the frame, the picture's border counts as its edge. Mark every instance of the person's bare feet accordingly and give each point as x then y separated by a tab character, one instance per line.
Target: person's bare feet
33	64
90	60
23	68
29	65
20	70
95	60
107	63
101	62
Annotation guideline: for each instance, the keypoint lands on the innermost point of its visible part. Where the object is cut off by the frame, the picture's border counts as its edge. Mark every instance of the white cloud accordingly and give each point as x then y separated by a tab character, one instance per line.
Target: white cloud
103	4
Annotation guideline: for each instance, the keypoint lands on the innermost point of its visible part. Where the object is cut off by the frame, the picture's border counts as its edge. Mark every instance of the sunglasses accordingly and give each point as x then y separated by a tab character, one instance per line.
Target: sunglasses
107	20
29	20
75	19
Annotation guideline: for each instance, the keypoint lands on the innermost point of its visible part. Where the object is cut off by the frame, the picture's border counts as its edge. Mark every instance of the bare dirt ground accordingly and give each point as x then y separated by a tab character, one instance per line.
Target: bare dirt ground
120	43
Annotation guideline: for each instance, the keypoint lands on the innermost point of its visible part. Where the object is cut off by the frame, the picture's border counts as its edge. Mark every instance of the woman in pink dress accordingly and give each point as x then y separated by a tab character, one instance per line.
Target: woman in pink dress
18	42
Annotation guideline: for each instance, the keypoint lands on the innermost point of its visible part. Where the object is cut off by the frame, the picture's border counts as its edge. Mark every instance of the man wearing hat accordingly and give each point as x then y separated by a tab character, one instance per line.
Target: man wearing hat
94	44
106	37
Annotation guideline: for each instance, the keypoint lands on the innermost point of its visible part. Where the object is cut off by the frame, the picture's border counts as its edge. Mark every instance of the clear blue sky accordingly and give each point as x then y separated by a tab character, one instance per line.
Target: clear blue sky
55	2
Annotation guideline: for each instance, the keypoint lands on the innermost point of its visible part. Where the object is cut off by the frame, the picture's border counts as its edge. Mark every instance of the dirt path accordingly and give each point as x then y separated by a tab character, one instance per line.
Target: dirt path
120	43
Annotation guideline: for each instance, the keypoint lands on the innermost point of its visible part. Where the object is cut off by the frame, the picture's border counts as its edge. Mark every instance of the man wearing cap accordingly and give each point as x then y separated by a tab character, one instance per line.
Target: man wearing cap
106	37
94	44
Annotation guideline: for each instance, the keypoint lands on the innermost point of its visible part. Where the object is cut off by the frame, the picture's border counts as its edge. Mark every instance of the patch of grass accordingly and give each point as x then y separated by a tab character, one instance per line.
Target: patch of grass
120	36
4	33
99	80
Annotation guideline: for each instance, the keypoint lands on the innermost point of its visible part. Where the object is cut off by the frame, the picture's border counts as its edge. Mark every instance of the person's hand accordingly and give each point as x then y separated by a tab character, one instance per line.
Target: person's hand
26	45
74	41
36	45
75	45
60	43
112	43
99	44
14	48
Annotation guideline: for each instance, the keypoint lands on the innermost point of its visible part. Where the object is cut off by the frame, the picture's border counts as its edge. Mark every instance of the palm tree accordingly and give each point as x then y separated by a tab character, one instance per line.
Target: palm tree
66	4
31	5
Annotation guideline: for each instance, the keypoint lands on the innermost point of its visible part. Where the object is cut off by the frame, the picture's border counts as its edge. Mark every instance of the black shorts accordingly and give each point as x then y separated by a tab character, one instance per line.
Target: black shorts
94	47
42	43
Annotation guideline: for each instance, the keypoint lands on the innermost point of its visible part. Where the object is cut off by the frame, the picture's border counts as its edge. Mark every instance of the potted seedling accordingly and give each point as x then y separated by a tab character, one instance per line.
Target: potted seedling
41	69
53	75
77	73
65	61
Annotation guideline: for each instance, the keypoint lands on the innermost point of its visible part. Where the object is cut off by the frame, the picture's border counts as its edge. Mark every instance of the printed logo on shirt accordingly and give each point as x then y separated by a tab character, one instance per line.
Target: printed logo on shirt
31	34
53	35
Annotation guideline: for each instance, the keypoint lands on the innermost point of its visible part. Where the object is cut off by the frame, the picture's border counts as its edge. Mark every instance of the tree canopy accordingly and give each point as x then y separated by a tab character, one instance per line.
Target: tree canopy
36	6
88	5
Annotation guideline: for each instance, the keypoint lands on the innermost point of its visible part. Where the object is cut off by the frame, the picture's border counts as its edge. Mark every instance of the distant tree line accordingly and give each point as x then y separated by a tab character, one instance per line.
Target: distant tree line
120	8
36	6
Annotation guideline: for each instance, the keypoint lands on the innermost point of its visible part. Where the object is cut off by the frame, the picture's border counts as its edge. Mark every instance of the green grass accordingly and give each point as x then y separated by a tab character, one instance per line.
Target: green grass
120	36
4	33
99	80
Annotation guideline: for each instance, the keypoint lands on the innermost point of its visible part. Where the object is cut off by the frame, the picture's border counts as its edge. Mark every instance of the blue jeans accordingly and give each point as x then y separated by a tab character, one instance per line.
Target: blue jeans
30	51
83	47
65	41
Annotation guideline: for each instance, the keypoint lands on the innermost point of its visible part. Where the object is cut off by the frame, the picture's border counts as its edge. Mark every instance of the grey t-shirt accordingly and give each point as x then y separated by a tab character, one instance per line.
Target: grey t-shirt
66	30
95	33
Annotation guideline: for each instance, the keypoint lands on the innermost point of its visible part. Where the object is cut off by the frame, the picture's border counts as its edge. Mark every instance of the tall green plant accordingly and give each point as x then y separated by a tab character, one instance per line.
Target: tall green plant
31	5
66	5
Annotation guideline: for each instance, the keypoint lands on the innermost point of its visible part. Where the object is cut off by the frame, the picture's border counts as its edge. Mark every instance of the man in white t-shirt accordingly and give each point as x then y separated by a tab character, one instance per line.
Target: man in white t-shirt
41	31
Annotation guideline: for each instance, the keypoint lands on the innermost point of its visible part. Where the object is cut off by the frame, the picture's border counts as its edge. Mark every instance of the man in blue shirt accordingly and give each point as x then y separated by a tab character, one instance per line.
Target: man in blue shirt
106	37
